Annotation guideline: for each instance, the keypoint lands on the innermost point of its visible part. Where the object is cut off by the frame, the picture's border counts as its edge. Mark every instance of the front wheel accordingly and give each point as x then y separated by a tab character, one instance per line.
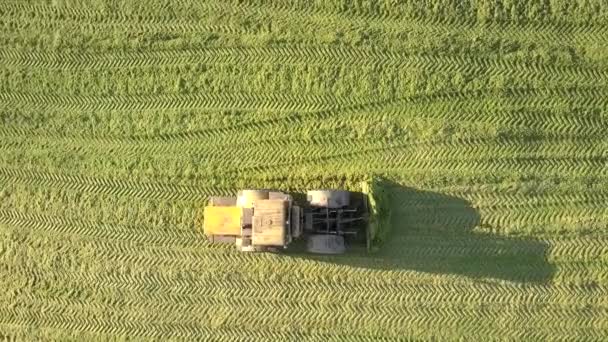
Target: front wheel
326	244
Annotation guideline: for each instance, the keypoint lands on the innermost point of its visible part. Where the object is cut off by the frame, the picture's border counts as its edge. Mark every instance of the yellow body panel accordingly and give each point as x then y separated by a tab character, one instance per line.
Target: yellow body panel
222	220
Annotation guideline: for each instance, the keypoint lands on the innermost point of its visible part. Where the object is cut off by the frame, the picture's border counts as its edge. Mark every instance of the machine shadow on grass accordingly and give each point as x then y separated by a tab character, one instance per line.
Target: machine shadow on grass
434	233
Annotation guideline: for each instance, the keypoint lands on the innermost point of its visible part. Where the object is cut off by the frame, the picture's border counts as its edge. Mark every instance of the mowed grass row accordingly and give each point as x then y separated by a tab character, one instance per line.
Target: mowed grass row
112	27
123	298
463	232
415	135
282	71
119	119
166	264
124	214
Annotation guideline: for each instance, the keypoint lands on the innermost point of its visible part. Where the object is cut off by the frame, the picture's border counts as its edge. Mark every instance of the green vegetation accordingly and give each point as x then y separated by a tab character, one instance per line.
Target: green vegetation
487	119
379	221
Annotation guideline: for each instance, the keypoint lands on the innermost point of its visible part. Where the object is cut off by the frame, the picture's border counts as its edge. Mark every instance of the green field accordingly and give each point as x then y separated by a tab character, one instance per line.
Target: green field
488	119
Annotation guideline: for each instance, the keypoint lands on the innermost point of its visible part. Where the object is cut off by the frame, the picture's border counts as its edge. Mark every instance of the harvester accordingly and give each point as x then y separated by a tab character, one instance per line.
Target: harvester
261	220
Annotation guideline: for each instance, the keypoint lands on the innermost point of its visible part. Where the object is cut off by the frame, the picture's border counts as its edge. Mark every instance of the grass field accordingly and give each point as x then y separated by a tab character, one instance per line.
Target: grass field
488	119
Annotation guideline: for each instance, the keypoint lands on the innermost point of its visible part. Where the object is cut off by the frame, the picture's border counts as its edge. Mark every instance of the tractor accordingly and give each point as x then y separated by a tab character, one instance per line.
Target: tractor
263	220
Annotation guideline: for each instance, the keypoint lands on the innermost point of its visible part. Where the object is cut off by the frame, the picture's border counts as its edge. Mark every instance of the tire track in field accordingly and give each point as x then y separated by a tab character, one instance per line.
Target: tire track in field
435	291
408	154
582	96
175	303
569	75
128	253
562	217
301	54
114	187
385	163
109	231
544	31
52	24
540	166
195	26
272	150
275	102
102	231
279	307
534	118
308	291
434	25
308	316
199	260
274	147
269	156
451	292
379	14
562	251
503	220
123	326
506	201
120	214
266	151
461	110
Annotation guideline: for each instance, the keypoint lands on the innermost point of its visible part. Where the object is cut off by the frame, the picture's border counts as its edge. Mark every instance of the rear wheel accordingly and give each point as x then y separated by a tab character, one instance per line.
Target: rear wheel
325	244
332	199
246	198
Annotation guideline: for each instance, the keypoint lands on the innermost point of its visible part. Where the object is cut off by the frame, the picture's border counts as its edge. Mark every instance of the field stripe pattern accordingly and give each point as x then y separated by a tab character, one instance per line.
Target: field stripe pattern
487	119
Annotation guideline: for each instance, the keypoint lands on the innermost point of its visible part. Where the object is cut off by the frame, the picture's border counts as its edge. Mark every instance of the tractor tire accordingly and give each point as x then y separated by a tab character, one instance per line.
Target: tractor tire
325	244
332	199
247	198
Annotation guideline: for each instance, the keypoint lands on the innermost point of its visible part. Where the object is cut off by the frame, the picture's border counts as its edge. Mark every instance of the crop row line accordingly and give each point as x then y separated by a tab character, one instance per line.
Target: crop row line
395	155
310	54
275	130
71	227
461	149
307	314
275	102
510	201
395	162
174	26
125	254
113	186
378	14
594	95
270	155
444	104
281	151
213	287
545	29
122	326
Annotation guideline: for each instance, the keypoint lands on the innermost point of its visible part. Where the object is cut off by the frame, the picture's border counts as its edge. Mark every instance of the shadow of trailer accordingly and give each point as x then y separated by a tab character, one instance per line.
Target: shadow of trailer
417	230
